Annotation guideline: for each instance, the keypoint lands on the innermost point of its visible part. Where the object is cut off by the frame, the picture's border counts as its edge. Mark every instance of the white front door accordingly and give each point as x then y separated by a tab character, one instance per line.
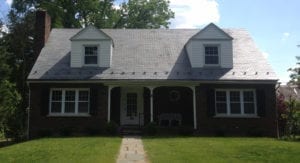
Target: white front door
132	106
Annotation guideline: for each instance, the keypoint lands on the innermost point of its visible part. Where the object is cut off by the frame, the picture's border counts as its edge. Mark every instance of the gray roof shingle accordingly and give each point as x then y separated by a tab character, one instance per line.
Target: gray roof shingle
157	54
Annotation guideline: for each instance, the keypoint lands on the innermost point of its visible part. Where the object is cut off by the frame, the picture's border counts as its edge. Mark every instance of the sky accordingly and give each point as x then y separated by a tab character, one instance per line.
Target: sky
273	24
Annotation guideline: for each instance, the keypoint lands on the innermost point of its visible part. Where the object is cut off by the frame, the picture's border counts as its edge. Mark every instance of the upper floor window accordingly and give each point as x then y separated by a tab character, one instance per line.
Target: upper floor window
235	102
69	101
211	55
90	55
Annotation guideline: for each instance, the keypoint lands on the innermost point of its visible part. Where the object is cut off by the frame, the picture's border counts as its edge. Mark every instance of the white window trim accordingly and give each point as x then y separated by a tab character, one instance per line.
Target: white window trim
76	114
98	55
242	114
219	55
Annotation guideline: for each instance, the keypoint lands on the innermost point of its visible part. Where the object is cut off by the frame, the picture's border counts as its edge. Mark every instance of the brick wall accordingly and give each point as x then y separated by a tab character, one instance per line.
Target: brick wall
209	125
39	121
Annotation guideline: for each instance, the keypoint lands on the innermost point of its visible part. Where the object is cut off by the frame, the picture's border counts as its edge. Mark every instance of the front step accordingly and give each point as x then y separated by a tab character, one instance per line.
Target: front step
131	130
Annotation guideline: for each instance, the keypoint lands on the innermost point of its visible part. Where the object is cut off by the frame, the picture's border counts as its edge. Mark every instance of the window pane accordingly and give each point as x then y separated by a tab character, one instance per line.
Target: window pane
70	96
248	96
83	107
234	96
221	96
211	59
83	95
90	60
69	107
56	107
211	50
221	108
249	108
91	50
56	95
235	108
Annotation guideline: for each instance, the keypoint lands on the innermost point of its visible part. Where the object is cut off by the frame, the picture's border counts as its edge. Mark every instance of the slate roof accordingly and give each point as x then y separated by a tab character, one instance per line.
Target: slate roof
157	54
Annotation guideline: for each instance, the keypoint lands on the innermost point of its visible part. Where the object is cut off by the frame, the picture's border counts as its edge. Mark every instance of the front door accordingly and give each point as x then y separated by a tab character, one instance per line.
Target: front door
132	106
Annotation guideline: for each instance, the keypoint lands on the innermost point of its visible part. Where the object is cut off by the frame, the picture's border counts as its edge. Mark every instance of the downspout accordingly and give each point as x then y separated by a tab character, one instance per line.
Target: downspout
28	112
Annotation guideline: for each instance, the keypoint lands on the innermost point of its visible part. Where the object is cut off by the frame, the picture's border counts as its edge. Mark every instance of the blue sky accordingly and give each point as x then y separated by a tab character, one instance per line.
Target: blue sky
274	25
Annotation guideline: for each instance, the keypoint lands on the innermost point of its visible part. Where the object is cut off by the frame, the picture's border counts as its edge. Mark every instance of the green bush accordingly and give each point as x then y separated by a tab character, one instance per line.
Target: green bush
66	131
44	133
254	132
150	129
185	131
92	131
111	128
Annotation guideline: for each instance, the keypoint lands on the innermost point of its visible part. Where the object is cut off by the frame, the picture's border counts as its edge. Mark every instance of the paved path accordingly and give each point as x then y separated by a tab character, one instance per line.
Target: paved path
132	150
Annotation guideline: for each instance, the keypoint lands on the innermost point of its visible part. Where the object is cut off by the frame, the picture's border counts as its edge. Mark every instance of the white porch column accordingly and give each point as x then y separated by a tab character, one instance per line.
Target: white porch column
108	102
151	103
194	106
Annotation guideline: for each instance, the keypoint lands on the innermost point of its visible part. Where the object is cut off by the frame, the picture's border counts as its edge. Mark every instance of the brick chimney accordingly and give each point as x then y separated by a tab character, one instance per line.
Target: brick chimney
42	30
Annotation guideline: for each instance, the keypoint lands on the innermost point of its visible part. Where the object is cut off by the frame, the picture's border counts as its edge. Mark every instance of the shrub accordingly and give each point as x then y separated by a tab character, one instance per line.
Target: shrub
220	132
185	130
254	132
65	131
92	131
111	128
292	117
150	129
44	133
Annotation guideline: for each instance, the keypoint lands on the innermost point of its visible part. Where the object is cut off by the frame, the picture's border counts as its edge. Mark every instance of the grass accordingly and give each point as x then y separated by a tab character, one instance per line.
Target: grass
85	149
200	149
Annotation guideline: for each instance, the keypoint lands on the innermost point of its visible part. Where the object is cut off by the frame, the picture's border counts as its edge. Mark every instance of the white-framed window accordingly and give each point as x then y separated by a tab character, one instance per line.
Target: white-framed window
235	102
90	54
211	53
69	101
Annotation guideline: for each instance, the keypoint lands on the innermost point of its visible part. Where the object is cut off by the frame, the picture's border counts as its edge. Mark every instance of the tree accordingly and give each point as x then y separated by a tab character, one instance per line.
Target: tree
145	14
282	110
102	13
11	118
295	73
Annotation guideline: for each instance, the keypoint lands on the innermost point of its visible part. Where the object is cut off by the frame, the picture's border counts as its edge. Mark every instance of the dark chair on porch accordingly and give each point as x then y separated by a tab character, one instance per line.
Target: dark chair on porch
170	119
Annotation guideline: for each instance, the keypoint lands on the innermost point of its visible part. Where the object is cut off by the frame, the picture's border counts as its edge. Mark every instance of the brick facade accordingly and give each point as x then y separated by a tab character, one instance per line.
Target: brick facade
206	123
40	121
264	125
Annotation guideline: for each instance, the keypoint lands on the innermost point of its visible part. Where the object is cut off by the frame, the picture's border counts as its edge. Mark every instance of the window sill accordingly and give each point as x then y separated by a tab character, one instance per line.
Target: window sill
69	115
236	116
90	65
212	65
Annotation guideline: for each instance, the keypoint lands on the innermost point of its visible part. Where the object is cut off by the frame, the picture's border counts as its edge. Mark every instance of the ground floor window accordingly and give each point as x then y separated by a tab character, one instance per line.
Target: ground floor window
236	102
69	101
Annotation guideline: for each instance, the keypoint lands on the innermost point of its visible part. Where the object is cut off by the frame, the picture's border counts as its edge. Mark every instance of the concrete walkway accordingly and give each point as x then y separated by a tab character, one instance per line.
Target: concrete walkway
132	150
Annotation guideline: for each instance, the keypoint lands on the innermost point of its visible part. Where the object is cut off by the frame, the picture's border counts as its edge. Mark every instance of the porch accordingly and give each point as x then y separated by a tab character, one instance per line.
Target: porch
138	105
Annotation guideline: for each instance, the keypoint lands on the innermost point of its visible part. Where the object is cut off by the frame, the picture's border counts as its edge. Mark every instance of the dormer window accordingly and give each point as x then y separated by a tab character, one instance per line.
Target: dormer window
211	55
91	55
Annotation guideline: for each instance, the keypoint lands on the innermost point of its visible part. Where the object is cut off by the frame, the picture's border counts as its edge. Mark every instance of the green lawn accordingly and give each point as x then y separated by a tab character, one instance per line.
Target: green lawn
200	149
85	149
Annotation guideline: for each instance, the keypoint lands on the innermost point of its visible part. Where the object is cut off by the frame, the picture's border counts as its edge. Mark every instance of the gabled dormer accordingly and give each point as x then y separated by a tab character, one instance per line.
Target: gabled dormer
91	47
210	47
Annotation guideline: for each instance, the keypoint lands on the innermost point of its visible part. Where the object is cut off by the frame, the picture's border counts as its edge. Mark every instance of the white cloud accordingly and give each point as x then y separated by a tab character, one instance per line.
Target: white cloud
9	2
265	54
194	13
285	36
